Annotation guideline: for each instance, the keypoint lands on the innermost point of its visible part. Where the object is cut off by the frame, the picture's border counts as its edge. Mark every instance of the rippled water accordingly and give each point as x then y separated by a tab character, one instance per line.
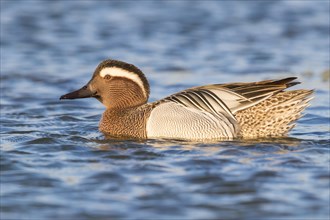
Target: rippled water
56	165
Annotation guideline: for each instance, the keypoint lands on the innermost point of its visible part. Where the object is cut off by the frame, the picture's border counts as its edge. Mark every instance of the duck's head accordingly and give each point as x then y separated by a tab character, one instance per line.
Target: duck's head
116	84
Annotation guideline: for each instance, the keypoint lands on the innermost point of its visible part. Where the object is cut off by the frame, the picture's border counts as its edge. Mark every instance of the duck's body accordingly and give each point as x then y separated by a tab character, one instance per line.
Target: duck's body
220	111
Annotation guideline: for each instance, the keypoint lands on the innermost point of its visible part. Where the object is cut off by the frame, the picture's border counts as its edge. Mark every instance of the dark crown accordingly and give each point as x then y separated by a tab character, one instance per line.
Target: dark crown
126	66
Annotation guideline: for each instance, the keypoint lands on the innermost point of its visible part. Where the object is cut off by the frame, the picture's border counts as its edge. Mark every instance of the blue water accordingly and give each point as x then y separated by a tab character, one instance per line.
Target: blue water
56	165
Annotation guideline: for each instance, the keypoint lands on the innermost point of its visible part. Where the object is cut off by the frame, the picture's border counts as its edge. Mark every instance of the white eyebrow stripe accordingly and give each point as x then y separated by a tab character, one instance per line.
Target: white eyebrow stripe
115	71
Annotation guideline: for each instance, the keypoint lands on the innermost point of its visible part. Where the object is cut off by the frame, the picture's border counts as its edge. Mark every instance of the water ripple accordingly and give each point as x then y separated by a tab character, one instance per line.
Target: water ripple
55	164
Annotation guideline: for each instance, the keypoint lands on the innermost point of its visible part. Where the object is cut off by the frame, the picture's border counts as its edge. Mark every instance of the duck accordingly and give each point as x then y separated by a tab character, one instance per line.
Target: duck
209	112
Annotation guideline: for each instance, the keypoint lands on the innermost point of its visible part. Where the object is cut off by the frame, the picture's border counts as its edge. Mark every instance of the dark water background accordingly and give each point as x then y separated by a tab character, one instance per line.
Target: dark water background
56	165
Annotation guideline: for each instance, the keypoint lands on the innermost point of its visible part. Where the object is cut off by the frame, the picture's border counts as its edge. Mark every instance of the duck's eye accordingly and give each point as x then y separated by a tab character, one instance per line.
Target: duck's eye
107	77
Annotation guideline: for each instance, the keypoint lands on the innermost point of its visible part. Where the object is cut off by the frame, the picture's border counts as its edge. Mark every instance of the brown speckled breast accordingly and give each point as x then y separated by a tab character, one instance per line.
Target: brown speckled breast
129	122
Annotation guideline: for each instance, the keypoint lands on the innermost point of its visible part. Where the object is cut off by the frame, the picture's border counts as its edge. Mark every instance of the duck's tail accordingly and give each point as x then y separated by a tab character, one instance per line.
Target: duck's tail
274	116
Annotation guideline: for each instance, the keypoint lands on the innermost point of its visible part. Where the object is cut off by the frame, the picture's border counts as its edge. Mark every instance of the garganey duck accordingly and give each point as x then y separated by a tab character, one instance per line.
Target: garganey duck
218	111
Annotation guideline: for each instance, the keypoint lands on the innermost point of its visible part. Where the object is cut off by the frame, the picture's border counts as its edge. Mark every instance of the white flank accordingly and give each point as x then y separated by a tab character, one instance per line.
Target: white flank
172	120
115	71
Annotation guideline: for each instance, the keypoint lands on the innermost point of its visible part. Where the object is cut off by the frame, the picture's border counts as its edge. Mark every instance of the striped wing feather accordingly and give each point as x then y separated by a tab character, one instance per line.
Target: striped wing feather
227	99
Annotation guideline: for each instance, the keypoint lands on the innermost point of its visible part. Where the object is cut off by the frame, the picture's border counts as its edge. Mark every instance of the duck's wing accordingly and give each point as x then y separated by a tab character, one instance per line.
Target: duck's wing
232	97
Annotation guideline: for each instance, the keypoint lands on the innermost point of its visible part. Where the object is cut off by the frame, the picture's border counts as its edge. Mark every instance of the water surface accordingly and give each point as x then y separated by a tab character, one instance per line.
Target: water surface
56	165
